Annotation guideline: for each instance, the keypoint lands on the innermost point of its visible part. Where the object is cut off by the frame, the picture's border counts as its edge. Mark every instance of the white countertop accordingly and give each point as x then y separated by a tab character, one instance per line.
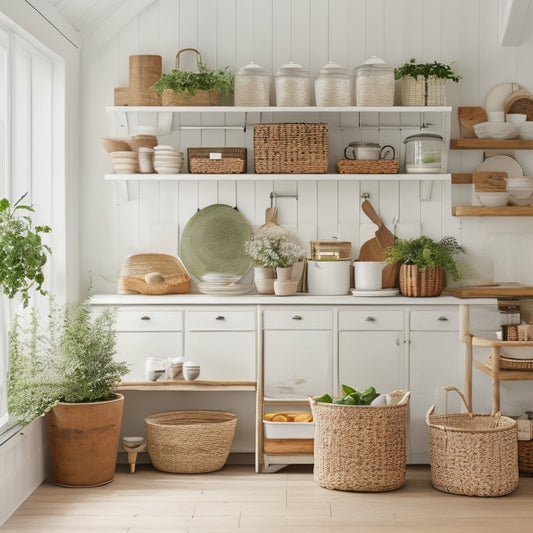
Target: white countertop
265	299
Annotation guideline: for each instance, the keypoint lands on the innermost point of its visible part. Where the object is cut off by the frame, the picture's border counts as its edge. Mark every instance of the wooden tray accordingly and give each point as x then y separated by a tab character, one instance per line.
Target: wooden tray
490	291
288	446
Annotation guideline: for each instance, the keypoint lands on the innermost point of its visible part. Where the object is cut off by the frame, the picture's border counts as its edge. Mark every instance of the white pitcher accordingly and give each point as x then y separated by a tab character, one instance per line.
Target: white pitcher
368	275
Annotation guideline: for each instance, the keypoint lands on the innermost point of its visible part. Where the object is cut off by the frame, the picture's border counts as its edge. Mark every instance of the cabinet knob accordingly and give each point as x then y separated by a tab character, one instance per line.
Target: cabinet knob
297	317
370	319
442	319
145	317
220	317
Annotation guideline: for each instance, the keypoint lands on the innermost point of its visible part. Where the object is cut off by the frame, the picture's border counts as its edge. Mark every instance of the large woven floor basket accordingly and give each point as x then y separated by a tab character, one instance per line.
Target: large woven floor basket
415	282
473	454
190	442
360	448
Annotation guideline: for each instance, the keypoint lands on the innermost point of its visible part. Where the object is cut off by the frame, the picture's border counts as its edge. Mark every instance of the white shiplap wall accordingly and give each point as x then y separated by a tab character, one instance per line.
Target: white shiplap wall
233	32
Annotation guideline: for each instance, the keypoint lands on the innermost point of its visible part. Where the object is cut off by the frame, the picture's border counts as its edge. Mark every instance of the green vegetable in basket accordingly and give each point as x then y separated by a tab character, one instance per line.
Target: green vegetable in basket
350	397
325	398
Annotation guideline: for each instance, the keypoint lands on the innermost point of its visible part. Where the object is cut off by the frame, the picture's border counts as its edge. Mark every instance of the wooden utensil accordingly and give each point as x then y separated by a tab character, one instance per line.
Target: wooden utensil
271	221
468	117
384	236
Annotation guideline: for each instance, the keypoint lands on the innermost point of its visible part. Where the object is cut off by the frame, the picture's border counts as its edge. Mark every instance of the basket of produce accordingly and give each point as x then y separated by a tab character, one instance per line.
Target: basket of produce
360	440
472	454
190	442
297	148
217	160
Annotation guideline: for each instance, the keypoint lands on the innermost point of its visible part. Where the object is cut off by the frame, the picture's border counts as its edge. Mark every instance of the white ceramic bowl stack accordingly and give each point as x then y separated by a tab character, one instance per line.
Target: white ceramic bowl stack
496	130
493	199
520	189
167	160
191	370
526	130
124	162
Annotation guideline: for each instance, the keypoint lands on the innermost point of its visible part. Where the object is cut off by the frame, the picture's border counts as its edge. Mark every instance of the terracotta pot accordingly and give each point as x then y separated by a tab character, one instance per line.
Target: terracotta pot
414	282
83	441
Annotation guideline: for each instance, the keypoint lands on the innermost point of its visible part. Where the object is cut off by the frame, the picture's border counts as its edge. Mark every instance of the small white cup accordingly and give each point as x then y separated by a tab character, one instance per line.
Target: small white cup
515	118
496	116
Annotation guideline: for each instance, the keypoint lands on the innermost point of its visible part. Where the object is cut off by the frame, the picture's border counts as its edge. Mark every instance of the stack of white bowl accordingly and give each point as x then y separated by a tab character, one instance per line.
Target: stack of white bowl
526	130
124	162
496	130
167	160
190	370
520	190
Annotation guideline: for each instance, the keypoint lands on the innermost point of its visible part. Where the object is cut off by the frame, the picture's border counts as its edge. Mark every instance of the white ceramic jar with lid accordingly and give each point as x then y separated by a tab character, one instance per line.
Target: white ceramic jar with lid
374	83
292	86
333	86
252	86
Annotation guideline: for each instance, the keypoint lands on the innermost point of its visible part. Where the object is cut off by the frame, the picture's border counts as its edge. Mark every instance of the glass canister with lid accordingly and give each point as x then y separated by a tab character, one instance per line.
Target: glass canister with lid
333	86
292	85
374	83
424	154
251	86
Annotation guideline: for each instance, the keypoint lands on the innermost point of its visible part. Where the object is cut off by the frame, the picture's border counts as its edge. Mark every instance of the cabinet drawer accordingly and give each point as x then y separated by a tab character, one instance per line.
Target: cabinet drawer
149	320
222	320
297	319
445	320
371	319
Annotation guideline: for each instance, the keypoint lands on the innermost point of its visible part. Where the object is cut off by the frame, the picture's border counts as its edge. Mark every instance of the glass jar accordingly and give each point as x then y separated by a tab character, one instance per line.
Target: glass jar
292	86
252	86
374	83
333	86
424	154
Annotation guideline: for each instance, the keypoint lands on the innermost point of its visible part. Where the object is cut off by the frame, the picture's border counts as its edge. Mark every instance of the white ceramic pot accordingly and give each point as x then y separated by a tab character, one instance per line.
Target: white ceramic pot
368	275
328	277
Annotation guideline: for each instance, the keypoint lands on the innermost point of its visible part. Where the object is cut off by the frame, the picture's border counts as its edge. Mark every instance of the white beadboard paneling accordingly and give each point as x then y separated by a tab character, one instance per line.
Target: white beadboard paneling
327	210
169	32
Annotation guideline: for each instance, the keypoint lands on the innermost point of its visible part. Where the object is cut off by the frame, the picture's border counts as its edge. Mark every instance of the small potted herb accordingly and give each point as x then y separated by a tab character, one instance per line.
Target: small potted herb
424	262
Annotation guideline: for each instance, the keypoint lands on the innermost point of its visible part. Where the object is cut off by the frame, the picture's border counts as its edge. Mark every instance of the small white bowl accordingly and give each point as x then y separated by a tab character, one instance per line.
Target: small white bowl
515	118
494	199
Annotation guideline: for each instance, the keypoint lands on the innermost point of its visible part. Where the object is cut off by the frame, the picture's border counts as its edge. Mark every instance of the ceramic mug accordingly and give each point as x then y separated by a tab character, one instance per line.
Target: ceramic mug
368	151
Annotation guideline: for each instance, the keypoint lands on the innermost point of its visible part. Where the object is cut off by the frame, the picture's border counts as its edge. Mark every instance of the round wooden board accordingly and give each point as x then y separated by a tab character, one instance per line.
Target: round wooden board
520	103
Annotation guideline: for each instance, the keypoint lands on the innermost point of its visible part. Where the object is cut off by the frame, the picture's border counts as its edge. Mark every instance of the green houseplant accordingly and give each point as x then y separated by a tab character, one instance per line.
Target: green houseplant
63	366
424	83
423	263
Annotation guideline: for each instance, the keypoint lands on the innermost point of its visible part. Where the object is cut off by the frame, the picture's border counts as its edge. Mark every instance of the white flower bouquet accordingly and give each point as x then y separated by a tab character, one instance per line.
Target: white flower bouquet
272	249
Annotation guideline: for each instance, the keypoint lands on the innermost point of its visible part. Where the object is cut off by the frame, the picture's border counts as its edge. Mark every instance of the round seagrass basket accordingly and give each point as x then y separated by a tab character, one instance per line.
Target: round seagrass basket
415	282
360	448
190	442
473	454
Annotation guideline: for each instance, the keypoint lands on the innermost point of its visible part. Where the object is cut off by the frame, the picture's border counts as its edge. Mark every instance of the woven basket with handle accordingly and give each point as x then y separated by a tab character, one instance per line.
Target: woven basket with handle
472	454
415	282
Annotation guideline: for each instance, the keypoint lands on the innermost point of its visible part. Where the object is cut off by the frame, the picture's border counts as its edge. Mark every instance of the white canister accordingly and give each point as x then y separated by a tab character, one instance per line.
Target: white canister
328	277
368	275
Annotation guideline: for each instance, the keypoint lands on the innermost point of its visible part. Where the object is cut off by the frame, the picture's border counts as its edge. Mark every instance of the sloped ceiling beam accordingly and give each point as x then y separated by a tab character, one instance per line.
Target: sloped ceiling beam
514	20
114	23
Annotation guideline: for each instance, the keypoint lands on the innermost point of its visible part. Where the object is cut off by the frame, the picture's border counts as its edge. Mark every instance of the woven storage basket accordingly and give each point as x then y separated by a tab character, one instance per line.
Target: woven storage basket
137	275
509	363
413	91
190	442
144	71
360	447
297	148
525	457
436	91
473	454
355	166
232	161
414	282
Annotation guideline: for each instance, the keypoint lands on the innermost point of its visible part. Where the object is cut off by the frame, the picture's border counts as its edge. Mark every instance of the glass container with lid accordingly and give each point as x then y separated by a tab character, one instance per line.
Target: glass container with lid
333	86
374	83
252	86
424	154
292	85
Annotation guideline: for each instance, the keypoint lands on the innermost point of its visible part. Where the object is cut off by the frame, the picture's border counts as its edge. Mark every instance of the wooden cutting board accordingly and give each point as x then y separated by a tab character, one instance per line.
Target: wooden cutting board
384	236
498	290
468	117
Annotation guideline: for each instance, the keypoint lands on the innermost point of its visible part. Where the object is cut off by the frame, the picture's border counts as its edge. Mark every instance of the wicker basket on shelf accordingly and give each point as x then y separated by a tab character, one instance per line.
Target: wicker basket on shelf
473	454
294	148
217	160
525	457
415	282
359	166
190	442
413	91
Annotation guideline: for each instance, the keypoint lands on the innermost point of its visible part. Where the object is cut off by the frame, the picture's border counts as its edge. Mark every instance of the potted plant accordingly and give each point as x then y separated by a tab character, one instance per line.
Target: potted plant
424	262
205	87
62	366
424	83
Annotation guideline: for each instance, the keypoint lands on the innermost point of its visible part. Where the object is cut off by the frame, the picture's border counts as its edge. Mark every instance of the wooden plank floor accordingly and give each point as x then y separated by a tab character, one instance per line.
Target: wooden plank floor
237	499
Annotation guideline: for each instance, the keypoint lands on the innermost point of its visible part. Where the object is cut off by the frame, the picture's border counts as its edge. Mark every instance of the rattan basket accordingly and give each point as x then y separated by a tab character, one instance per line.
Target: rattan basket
225	160
415	282
509	363
525	457
299	148
139	275
413	91
360	448
359	166
473	454
190	442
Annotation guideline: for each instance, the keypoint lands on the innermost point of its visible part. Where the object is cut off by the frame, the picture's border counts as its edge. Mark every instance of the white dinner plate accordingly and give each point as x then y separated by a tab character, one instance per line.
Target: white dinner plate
379	292
502	163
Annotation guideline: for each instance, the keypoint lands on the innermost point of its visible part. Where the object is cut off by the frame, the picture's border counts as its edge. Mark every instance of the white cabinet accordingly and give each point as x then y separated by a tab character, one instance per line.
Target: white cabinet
223	342
144	332
297	352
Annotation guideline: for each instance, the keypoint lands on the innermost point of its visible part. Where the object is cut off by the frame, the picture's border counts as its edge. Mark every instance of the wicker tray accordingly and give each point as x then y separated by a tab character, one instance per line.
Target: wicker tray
473	454
297	148
190	442
509	363
525	457
232	160
357	166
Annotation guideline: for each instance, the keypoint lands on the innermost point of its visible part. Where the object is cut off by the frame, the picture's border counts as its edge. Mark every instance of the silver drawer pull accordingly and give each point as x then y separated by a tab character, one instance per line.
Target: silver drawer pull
370	319
145	317
442	319
220	317
297	317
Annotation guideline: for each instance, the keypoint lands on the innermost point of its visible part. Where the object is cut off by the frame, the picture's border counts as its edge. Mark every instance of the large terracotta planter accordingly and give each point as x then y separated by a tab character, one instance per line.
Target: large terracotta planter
415	282
83	441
